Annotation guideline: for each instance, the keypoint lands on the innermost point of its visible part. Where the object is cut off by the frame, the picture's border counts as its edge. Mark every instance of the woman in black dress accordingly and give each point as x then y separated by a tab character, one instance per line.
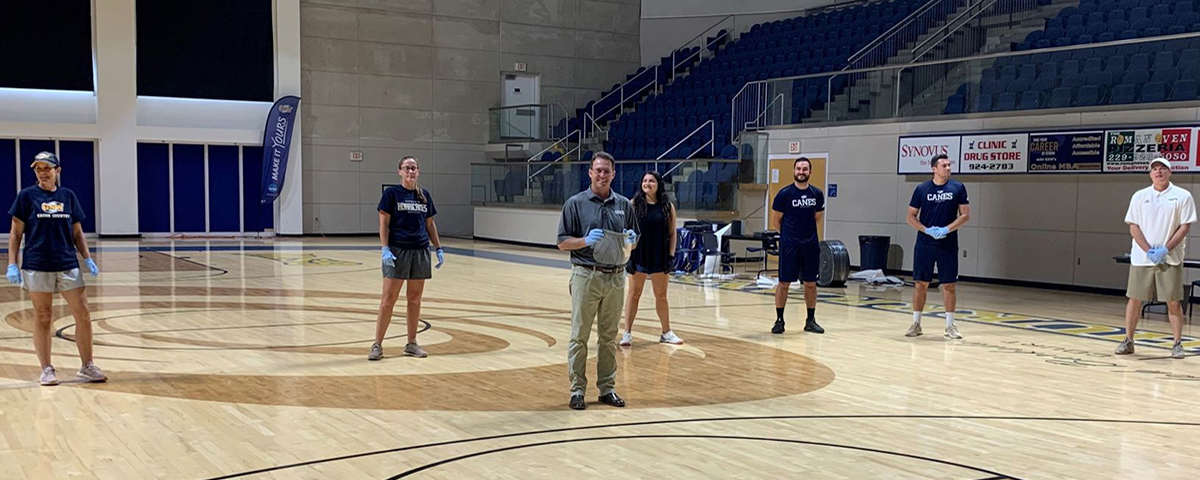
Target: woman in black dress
653	256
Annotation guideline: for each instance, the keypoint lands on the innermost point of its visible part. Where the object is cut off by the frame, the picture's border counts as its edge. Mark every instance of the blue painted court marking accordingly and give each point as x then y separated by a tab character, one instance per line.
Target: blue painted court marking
467	252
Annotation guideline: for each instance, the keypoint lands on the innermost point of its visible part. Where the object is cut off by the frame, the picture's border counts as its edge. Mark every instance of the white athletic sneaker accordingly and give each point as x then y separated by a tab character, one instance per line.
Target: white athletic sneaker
92	374
414	350
670	338
1125	348
1177	351
48	377
376	352
626	339
914	330
952	332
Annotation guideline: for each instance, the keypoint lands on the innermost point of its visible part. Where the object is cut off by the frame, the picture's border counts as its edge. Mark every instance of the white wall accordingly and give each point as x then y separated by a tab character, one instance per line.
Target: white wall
116	116
1054	228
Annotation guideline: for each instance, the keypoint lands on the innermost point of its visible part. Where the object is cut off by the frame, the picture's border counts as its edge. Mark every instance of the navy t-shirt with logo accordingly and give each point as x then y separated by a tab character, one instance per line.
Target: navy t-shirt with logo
406	229
49	218
799	208
938	205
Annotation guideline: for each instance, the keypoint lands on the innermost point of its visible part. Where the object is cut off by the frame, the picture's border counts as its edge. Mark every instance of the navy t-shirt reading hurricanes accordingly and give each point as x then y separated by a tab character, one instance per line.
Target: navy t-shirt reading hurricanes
406	229
799	208
48	217
938	205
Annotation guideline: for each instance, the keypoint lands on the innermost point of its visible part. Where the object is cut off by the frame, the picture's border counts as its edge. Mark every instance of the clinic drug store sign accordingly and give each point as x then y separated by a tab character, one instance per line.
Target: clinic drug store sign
1089	151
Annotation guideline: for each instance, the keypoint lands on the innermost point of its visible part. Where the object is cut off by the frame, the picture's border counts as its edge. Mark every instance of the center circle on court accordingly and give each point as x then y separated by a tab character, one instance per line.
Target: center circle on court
649	376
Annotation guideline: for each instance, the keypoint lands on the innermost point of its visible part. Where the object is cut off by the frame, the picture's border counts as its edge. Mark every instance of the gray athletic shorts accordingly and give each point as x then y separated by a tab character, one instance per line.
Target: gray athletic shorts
410	265
51	282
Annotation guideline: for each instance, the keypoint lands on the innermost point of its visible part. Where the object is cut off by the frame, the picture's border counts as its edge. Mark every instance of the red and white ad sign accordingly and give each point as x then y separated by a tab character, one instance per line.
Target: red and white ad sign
916	152
1000	153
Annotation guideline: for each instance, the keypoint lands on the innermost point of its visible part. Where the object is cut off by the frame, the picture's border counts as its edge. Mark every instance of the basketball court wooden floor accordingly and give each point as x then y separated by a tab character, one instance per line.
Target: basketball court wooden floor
248	360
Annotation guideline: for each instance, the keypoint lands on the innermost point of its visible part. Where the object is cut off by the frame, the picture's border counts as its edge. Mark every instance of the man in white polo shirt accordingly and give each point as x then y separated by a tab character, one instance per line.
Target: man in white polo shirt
1159	218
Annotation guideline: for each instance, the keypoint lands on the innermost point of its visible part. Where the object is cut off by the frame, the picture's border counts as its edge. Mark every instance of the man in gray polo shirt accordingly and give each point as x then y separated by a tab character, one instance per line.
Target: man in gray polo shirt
597	276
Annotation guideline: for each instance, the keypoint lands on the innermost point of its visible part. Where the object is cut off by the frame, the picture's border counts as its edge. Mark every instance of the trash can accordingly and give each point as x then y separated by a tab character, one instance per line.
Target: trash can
873	252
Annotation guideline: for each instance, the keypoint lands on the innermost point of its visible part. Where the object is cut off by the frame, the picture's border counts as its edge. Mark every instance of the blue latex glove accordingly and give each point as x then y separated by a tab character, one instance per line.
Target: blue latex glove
1157	254
441	258
389	258
14	274
631	236
593	236
937	233
91	266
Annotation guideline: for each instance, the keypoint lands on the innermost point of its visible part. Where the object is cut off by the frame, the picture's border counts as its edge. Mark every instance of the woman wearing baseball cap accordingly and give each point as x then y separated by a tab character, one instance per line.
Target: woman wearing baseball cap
46	216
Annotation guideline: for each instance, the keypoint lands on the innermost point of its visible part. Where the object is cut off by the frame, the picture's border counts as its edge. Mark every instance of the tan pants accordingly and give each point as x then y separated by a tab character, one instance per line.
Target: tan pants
1161	282
595	297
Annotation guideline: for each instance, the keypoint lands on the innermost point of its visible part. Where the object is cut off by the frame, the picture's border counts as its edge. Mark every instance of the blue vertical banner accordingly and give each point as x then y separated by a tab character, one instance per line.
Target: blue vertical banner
277	138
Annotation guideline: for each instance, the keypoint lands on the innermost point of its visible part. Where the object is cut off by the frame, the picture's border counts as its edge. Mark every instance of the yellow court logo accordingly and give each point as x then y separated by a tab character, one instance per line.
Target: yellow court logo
310	259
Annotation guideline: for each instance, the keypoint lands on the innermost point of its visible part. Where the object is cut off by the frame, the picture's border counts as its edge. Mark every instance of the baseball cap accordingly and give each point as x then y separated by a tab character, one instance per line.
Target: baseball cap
47	158
1162	161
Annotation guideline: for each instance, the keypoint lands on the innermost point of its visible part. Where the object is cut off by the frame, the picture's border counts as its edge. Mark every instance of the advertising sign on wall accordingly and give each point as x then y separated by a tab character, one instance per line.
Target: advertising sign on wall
1131	150
1074	152
915	153
1001	153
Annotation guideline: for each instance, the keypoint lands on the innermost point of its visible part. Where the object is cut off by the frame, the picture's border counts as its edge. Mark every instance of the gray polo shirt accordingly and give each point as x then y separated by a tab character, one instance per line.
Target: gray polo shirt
585	211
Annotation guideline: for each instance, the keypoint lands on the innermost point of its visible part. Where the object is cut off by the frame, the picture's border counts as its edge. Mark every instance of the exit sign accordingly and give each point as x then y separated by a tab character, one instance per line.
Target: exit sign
521	67
793	147
356	156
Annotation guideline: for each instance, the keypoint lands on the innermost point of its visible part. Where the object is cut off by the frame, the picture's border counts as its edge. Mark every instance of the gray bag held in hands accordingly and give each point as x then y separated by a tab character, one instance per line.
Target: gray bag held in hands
612	249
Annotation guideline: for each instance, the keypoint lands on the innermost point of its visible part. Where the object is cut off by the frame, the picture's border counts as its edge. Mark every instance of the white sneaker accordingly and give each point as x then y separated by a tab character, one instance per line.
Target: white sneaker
670	338
92	374
48	377
952	332
376	352
626	339
914	330
414	350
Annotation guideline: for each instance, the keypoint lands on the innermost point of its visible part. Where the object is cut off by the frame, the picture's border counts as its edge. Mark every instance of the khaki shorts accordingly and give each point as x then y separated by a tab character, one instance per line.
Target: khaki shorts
51	282
1163	283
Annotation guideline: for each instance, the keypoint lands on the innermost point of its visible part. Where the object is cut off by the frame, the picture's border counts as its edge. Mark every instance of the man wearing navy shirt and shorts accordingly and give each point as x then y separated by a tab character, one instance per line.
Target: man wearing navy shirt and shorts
795	212
937	210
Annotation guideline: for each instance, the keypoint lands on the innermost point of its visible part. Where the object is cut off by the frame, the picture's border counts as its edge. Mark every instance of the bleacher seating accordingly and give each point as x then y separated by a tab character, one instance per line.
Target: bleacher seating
1140	73
796	46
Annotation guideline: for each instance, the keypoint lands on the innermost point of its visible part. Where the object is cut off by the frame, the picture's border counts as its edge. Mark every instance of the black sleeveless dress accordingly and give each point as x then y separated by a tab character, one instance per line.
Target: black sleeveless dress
652	254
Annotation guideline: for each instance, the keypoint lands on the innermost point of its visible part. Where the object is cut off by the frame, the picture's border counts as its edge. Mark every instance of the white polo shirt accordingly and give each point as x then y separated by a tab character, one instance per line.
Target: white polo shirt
1158	214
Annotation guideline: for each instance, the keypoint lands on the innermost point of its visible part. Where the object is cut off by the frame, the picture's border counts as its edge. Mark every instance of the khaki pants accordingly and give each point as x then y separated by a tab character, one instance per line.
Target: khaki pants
1161	282
598	297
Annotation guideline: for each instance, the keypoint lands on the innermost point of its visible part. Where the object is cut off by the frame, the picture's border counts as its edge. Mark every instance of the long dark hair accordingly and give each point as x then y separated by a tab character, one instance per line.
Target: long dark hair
661	197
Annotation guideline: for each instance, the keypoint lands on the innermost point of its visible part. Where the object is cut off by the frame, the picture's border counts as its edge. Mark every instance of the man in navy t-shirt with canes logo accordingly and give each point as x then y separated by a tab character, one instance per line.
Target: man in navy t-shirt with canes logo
795	212
938	208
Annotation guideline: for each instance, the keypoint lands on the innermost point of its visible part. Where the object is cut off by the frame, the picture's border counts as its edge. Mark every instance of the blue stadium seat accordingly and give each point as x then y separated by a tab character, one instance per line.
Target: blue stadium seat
1006	101
1030	100
1059	98
1183	90
1089	95
1122	94
1153	92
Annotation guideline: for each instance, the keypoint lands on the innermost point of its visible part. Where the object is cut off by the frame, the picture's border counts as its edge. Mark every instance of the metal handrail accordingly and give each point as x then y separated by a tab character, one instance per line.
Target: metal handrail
675	63
710	144
886	35
766	109
549	108
950	27
984	56
567	138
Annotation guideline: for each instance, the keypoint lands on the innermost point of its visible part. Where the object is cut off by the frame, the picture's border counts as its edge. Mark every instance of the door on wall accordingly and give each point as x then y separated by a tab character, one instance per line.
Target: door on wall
779	175
522	92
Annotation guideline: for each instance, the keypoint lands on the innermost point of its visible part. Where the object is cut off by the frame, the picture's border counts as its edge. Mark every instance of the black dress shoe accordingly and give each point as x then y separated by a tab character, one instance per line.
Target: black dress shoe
810	325
577	402
778	328
612	399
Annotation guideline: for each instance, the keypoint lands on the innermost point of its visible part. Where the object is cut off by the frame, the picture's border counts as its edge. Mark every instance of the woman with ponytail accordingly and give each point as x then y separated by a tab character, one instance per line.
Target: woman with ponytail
653	256
406	230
